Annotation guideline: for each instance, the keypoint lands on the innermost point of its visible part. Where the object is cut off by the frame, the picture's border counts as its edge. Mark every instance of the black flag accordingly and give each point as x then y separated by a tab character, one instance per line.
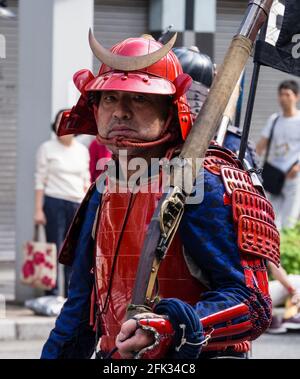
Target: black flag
281	49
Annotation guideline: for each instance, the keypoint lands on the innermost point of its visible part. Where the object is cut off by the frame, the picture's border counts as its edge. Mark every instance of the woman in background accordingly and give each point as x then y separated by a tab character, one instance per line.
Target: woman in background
61	180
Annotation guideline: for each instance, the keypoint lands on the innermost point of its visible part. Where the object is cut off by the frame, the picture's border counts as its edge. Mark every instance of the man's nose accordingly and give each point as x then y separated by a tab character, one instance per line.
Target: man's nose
122	111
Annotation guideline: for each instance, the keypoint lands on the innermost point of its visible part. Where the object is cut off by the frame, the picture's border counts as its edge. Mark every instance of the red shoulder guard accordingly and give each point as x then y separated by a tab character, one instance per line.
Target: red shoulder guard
217	157
253	214
257	240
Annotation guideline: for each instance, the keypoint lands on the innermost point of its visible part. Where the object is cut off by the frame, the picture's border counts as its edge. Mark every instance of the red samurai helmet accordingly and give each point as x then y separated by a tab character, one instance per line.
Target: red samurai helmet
140	65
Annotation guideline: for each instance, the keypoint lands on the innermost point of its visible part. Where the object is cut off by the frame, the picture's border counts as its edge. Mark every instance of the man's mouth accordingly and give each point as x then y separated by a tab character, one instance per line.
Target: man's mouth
120	130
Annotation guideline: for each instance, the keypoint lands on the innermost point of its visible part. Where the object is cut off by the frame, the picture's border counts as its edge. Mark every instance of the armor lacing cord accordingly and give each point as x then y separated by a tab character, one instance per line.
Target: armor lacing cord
92	308
185	342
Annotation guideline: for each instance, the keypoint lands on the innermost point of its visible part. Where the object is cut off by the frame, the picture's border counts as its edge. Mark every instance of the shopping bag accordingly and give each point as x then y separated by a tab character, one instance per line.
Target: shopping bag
39	269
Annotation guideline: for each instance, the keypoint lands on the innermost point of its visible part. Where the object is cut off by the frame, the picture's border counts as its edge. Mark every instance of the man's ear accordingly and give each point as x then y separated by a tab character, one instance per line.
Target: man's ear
95	110
95	103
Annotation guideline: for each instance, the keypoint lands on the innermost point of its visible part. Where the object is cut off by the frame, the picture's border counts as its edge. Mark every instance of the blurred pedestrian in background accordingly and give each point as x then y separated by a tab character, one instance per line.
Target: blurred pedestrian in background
282	135
61	180
284	288
280	141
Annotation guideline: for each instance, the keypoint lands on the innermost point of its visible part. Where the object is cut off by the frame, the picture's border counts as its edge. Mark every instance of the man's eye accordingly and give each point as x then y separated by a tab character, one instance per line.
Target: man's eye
139	99
109	99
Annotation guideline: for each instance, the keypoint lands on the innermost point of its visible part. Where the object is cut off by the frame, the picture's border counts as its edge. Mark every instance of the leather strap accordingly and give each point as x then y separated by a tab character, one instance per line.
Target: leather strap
270	139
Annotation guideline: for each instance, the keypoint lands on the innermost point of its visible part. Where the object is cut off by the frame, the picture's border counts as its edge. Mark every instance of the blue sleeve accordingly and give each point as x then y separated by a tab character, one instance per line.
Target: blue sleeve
72	336
209	238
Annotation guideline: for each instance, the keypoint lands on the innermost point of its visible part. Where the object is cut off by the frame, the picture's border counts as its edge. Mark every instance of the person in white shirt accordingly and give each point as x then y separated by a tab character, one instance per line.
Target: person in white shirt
62	177
285	153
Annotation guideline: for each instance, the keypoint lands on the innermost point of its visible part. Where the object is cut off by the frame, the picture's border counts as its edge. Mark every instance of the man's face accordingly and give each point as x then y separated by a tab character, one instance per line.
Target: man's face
287	99
131	116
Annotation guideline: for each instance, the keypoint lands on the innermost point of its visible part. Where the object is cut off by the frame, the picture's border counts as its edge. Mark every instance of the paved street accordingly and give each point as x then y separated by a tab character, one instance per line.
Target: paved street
20	349
273	347
285	346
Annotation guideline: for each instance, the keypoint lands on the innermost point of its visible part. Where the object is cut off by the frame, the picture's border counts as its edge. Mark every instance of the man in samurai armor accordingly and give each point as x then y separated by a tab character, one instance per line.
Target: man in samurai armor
211	295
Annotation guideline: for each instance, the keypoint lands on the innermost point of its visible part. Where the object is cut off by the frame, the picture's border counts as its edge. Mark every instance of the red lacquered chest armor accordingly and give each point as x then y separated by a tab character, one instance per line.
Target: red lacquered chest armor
123	221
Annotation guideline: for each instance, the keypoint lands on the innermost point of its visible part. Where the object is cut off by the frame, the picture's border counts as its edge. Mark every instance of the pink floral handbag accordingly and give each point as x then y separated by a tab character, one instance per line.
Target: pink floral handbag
39	269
